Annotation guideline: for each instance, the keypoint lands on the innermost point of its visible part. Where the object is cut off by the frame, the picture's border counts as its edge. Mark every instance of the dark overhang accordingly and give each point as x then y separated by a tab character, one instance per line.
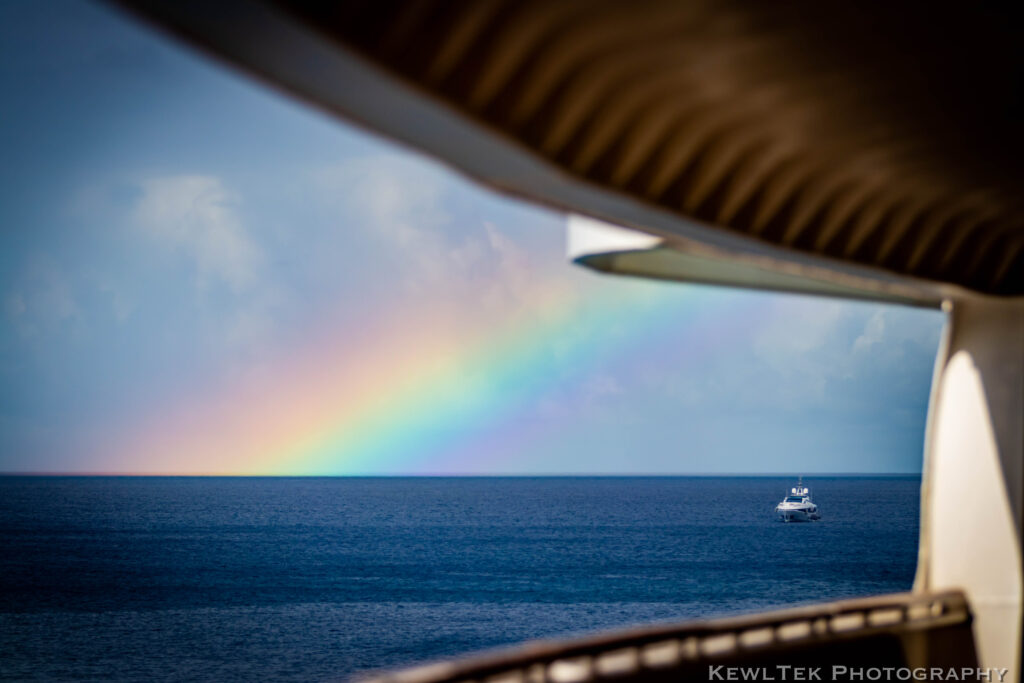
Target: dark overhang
877	139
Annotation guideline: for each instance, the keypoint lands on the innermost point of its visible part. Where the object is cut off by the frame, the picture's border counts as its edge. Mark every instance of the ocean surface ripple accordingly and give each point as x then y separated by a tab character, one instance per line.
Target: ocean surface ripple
296	579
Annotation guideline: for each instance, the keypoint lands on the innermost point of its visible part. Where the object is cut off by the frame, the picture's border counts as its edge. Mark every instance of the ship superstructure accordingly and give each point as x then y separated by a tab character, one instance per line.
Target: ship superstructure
797	506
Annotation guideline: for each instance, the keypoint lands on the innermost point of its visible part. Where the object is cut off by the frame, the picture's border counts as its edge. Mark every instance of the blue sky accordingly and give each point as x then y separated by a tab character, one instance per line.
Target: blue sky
172	231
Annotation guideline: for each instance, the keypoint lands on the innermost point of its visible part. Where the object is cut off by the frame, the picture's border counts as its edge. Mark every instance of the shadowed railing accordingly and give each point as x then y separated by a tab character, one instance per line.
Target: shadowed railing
901	630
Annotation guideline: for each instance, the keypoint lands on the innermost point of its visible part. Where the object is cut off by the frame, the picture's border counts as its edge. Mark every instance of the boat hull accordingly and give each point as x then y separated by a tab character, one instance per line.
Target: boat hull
797	506
797	515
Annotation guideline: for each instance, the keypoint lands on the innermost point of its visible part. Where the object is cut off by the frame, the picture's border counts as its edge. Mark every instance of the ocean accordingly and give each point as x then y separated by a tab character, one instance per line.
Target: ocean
320	579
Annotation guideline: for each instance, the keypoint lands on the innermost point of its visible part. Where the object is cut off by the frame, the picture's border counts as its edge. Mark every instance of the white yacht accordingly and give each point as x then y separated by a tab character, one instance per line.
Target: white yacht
798	506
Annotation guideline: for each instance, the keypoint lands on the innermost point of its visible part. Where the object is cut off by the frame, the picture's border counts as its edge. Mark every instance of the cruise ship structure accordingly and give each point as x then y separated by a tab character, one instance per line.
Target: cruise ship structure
871	150
797	506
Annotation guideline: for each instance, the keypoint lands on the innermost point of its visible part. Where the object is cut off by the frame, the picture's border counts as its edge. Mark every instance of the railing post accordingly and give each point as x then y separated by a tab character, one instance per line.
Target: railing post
973	479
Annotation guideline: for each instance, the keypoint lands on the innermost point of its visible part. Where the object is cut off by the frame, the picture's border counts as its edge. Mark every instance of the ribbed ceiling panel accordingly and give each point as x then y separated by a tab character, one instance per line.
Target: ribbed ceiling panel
886	136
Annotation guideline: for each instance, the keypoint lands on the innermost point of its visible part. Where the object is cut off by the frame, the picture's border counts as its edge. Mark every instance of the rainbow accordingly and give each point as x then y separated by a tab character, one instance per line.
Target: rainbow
433	390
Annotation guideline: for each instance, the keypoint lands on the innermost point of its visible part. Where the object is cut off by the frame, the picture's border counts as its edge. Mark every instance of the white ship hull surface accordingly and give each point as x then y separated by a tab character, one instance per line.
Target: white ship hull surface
798	506
797	514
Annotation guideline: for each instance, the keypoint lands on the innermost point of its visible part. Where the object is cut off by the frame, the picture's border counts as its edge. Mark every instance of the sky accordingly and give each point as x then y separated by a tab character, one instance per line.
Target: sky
201	276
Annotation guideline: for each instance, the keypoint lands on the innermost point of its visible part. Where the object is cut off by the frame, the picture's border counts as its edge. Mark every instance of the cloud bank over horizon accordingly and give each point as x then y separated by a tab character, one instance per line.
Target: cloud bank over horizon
198	276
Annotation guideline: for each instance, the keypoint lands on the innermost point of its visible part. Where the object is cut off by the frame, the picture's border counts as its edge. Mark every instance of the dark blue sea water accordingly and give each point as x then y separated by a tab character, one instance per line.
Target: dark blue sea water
225	579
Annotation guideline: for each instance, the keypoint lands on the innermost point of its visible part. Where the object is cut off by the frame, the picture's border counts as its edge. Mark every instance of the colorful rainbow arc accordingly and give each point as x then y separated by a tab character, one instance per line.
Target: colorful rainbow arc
430	392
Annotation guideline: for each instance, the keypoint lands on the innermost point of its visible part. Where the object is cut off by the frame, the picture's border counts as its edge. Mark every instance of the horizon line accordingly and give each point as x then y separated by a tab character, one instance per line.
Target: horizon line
197	475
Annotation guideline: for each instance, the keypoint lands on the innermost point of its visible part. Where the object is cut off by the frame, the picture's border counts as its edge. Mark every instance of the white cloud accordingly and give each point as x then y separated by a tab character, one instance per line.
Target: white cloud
121	299
797	326
514	272
14	305
397	198
552	408
42	300
798	343
874	333
196	214
244	328
401	202
599	387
